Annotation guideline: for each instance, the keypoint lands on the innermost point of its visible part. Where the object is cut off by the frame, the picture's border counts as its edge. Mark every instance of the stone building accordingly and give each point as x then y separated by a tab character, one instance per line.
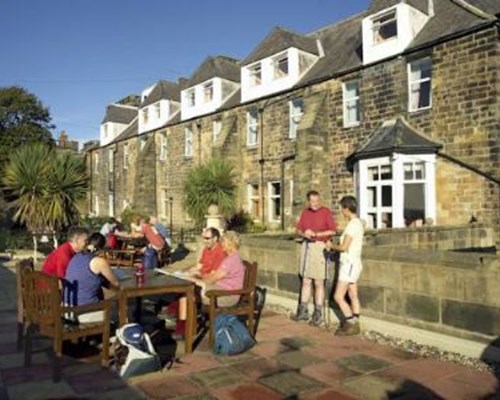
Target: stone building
398	105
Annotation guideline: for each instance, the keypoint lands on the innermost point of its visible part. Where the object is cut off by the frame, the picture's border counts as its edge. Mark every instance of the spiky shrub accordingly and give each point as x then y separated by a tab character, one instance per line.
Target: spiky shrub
45	187
211	183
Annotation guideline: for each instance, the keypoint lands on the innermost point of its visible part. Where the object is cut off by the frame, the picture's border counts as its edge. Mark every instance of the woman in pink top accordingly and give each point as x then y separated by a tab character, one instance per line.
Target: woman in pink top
229	276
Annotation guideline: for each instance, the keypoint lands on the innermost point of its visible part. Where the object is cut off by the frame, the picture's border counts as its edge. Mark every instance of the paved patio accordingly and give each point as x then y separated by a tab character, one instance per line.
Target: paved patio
290	361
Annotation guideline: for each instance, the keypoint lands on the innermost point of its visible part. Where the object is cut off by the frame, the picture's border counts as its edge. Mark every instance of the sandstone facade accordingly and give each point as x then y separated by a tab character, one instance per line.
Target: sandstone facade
464	119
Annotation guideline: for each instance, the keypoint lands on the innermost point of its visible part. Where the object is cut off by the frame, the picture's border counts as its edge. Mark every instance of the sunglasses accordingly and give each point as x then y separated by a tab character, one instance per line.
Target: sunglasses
206	238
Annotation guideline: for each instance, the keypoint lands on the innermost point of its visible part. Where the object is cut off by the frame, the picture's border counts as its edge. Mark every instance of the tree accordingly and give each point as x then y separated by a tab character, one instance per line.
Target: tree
23	120
212	183
45	187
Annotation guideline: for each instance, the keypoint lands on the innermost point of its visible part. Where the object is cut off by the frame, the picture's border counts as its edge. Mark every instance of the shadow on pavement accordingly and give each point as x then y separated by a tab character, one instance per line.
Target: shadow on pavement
491	357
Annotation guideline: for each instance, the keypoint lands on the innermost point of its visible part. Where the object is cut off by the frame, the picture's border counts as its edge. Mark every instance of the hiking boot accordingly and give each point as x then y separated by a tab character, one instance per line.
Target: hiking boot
317	319
348	329
302	314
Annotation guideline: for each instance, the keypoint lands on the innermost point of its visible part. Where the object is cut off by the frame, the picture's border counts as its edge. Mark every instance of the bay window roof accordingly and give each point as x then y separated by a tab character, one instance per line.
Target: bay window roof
394	136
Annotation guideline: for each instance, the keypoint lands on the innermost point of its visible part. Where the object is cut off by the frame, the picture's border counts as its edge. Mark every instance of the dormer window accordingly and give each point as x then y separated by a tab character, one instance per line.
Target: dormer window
280	66
255	74
208	92
145	116
158	111
385	27
191	97
105	129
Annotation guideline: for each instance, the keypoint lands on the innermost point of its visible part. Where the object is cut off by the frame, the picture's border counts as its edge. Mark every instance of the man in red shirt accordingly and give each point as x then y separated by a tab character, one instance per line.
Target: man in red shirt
212	254
156	243
57	261
209	261
316	226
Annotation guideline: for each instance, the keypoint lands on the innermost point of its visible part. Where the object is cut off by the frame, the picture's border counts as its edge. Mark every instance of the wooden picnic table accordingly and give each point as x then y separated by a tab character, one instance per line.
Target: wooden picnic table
156	283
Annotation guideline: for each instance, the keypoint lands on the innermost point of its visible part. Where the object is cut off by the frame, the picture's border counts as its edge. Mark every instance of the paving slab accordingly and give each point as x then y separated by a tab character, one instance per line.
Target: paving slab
290	383
217	377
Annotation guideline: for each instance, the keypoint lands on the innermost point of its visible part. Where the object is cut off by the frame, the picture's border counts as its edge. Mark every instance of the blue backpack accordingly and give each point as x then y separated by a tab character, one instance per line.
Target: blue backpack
231	336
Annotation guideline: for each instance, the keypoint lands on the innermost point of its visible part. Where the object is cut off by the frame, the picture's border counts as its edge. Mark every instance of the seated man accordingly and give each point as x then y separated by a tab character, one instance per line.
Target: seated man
161	229
57	261
229	275
156	243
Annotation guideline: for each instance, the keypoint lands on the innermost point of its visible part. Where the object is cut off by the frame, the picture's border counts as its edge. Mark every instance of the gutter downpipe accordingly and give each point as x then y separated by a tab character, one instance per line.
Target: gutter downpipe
261	163
282	189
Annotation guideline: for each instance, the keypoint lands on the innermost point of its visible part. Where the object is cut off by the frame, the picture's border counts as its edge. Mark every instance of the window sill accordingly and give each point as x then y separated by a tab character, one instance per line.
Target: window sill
353	125
420	110
252	146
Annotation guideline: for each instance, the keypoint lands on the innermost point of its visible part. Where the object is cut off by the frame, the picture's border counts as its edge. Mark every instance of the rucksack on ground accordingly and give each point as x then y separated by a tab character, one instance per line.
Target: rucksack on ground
134	352
231	336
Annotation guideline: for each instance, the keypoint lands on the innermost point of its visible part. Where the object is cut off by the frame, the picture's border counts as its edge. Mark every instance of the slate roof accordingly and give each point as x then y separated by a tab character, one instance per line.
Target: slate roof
280	39
216	66
394	136
379	5
119	114
342	42
163	90
130	131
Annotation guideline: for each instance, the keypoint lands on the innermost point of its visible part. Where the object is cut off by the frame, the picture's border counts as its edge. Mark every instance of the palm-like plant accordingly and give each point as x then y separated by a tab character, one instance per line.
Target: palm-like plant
212	183
45	187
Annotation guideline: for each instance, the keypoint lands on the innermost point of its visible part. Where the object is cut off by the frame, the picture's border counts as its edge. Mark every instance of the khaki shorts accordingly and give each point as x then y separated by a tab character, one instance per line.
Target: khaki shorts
312	260
226	301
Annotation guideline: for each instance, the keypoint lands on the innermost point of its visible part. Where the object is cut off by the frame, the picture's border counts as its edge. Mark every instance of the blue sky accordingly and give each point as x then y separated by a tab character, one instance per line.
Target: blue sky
78	56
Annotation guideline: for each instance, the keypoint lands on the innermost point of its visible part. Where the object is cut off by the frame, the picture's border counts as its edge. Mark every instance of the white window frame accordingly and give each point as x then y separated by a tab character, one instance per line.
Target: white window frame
252	128
397	161
142	142
216	128
105	130
208	92
96	163
419	82
382	20
164	201
255	74
278	73
145	116
191	97
253	196
272	197
111	161
188	142
126	204
111	205
348	100
96	205
296	114
125	156
163	146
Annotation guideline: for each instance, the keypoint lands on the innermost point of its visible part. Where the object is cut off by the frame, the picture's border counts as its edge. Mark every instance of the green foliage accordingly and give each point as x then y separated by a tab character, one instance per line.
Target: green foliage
23	120
14	239
243	222
45	187
128	215
212	183
94	224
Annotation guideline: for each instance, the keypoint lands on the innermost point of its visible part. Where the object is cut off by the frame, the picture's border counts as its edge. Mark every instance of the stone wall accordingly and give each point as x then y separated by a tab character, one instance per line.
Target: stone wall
451	292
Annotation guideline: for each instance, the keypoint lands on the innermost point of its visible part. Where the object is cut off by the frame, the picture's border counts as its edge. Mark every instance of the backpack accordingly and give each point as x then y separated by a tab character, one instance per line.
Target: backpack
134	352
231	336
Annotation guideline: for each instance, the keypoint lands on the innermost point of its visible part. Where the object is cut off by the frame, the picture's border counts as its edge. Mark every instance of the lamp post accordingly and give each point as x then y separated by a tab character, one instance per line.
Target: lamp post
171	203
